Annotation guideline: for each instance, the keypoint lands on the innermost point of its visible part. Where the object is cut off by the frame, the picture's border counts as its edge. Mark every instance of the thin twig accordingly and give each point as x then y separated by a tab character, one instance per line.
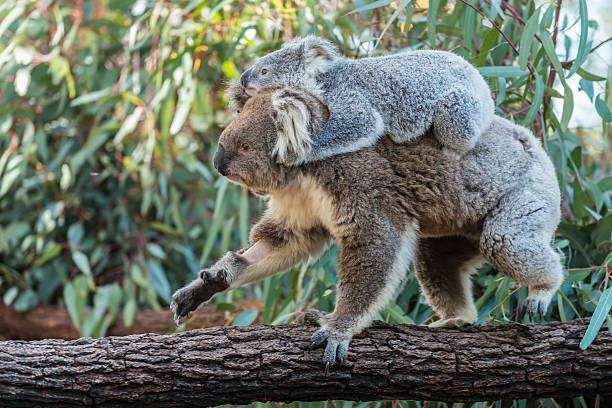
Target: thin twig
505	6
500	303
566	64
551	75
494	24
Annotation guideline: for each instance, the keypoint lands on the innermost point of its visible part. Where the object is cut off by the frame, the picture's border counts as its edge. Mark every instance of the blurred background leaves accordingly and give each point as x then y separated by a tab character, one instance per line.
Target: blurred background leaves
110	113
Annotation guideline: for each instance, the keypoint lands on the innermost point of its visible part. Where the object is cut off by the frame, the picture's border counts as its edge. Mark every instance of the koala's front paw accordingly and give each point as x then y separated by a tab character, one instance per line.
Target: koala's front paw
186	300
336	332
215	279
337	345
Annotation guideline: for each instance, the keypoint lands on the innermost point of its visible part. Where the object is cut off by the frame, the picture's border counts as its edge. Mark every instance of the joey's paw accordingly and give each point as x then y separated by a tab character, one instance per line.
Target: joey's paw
451	322
337	345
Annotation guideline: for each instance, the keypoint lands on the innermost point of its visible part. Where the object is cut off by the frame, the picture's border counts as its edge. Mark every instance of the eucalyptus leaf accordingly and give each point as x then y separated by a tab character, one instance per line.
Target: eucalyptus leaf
602	109
245	318
502	72
527	37
26	300
373	5
599	315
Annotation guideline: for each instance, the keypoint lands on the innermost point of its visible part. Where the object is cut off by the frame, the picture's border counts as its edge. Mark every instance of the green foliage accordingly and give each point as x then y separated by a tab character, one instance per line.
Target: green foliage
111	111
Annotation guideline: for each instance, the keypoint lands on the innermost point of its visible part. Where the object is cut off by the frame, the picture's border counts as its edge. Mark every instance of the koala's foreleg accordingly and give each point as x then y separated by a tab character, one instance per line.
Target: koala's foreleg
516	240
368	278
443	267
274	249
460	118
357	126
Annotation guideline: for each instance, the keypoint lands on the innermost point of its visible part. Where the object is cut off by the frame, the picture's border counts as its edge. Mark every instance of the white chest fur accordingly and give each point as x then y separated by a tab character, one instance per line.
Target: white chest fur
304	205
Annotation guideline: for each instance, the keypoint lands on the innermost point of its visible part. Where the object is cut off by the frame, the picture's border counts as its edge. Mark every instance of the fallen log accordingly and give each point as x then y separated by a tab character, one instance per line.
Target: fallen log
52	322
238	365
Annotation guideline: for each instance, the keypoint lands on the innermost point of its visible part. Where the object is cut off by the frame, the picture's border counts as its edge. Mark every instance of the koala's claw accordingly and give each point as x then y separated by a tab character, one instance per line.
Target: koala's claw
180	307
336	348
319	337
535	307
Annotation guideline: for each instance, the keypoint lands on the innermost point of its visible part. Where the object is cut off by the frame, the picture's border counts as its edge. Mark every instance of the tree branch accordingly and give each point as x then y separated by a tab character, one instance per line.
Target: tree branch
238	365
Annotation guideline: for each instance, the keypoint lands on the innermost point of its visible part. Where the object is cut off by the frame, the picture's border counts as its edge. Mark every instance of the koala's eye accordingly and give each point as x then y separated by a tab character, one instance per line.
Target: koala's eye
264	71
244	147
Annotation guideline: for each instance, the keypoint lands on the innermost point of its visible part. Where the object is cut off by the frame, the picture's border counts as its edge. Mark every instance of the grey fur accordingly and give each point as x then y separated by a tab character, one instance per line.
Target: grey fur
402	95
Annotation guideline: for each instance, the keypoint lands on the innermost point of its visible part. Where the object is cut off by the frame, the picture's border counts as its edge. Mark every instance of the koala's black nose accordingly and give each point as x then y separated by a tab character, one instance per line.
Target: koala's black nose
244	78
218	161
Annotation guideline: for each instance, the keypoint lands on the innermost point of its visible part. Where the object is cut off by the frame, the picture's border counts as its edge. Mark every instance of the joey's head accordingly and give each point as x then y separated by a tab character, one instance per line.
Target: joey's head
292	65
273	127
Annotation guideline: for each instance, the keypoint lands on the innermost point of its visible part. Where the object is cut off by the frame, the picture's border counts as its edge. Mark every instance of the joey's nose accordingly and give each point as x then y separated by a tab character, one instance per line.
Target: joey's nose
218	161
244	78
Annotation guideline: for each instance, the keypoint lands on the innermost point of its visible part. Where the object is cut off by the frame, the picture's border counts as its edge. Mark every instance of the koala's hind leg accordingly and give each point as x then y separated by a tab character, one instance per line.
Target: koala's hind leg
458	121
444	267
516	240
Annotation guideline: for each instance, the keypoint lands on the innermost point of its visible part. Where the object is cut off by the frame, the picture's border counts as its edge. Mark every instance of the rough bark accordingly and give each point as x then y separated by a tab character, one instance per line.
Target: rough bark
275	363
51	322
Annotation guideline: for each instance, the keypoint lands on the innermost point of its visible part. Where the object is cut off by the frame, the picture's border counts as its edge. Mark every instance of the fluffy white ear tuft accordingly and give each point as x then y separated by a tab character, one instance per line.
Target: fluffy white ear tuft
292	115
319	54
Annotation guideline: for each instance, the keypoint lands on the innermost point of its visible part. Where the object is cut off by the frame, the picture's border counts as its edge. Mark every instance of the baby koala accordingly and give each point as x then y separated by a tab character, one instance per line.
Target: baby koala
403	95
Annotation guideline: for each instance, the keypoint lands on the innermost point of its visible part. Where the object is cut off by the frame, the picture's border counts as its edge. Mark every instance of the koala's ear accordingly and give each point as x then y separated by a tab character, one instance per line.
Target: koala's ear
292	116
318	54
236	95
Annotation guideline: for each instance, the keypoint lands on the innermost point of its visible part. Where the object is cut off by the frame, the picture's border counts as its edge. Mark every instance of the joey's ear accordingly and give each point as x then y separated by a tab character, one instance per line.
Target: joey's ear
236	95
292	115
318	54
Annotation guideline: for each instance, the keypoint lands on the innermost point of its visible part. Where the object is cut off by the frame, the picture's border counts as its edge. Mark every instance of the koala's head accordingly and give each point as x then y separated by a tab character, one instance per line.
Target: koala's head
292	65
273	127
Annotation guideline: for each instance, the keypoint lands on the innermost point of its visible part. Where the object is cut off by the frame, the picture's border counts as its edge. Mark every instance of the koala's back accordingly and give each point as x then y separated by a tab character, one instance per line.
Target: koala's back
403	87
447	196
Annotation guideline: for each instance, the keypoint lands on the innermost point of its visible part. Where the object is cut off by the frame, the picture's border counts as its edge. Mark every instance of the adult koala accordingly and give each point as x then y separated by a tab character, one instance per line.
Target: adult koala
386	206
